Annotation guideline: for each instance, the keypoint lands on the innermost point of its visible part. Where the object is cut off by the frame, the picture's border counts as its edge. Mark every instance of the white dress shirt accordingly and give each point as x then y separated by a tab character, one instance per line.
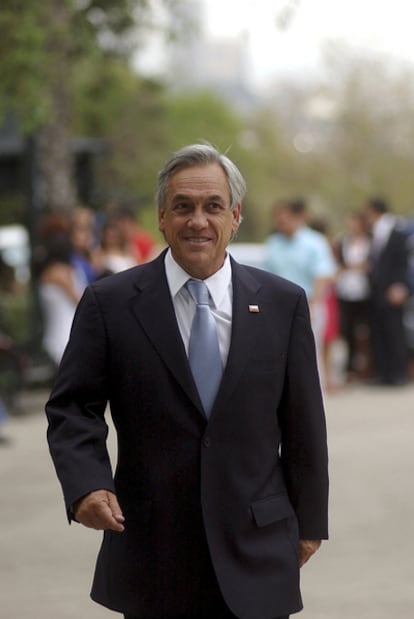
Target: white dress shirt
381	231
221	301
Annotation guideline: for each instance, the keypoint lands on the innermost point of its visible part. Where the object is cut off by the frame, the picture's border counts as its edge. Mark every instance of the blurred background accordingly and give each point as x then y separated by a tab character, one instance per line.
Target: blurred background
309	97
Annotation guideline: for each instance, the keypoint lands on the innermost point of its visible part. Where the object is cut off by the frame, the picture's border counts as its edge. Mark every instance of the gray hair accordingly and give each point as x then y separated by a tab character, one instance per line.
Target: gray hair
201	154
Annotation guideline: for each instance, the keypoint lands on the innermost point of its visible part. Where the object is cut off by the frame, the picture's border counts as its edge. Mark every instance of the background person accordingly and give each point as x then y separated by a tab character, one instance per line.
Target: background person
212	491
7	285
141	244
389	282
114	254
4	417
59	286
332	369
303	256
352	250
83	237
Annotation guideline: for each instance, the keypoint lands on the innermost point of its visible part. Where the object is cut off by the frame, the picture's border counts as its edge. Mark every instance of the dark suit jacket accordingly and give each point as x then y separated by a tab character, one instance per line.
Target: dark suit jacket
389	266
388	333
252	479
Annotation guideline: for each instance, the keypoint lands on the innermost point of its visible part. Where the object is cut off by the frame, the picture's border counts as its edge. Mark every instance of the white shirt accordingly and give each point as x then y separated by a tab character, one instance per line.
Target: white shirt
58	311
352	282
381	231
221	302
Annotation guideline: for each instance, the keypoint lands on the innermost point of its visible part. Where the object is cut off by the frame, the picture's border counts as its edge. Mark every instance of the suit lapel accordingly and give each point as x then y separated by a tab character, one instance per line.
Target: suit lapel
246	325
153	308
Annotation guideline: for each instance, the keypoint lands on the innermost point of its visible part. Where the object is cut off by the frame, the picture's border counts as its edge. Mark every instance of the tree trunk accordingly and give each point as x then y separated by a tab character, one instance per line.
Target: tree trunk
55	156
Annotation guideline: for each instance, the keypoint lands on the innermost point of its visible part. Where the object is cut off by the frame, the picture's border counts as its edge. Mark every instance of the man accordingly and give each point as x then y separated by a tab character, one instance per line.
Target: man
204	514
304	256
388	276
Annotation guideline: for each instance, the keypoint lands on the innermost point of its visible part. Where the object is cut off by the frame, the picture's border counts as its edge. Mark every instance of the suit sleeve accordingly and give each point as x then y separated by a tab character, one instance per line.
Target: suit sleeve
304	450
77	430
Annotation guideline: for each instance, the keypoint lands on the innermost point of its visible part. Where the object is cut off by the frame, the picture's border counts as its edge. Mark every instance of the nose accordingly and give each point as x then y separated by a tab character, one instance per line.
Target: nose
198	219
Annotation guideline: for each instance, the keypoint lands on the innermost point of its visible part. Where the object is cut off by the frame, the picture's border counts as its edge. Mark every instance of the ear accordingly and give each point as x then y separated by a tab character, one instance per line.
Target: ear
236	212
161	219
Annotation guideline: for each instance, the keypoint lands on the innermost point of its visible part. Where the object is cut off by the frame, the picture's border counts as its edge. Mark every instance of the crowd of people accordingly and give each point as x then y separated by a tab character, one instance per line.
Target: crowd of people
357	285
73	251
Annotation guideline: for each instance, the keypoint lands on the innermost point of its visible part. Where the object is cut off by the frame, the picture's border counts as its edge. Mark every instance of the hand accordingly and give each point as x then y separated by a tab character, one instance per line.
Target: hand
397	294
99	510
307	547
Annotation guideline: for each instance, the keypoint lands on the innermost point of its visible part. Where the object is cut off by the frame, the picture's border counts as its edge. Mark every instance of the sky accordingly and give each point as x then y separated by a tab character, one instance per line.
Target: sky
382	25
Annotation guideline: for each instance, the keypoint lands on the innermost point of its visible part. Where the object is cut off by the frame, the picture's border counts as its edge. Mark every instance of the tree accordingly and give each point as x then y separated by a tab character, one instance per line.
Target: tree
372	138
352	131
41	45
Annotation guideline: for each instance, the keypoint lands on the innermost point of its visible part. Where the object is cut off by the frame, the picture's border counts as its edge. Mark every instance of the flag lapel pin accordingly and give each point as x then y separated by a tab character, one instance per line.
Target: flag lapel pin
254	309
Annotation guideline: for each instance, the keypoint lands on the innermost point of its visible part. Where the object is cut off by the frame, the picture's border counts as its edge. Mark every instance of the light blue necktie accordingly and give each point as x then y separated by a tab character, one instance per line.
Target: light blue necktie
203	351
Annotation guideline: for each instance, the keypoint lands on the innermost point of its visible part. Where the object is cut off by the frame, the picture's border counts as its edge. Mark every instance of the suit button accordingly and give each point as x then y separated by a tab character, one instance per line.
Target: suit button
206	441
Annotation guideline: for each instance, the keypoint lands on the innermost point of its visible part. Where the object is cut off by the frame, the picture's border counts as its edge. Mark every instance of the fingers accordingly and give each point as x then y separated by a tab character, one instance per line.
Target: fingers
100	510
115	509
307	548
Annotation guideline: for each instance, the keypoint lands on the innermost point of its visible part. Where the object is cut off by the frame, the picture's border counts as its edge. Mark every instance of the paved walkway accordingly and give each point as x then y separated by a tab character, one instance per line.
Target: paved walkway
366	570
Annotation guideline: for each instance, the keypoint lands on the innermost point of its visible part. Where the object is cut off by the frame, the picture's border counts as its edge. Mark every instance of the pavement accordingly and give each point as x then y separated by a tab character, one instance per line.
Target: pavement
365	571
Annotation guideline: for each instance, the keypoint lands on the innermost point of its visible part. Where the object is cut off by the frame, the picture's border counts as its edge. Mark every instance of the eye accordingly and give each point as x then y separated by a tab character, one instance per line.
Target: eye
181	207
214	207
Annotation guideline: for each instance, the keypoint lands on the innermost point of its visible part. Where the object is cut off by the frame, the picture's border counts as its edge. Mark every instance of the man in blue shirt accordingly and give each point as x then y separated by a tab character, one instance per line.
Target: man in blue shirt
302	255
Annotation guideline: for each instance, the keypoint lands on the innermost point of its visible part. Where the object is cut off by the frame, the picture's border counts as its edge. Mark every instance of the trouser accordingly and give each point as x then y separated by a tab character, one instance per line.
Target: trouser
354	317
212	616
389	342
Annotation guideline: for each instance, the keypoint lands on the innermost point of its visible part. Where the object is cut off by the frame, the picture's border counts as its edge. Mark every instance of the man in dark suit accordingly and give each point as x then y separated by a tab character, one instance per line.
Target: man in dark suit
213	507
388	275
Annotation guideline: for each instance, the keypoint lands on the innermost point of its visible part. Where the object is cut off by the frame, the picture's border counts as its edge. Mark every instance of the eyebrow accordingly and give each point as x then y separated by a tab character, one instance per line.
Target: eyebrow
182	196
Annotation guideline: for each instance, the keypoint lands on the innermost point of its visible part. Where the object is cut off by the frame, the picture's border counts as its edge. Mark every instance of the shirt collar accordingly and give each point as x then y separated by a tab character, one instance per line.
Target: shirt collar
217	283
384	225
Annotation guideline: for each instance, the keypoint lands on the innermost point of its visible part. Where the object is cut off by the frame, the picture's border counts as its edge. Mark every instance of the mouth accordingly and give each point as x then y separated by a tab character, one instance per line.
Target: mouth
198	240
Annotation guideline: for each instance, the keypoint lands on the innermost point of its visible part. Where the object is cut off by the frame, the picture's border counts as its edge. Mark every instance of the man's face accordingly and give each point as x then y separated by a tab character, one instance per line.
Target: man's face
286	222
196	220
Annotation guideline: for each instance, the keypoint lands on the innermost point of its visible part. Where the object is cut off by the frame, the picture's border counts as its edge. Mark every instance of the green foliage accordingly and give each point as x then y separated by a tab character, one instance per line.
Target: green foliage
372	143
15	315
359	120
362	142
40	39
12	209
24	58
131	118
202	116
